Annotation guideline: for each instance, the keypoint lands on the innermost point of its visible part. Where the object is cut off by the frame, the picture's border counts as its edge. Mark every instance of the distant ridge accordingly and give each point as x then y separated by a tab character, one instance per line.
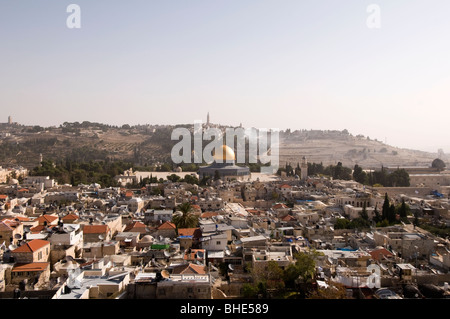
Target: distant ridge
150	144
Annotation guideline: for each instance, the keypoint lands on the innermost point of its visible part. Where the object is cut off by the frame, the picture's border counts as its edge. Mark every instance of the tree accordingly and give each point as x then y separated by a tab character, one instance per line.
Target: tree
173	178
438	163
359	175
301	273
364	215
416	220
186	219
398	178
403	210
385	209
333	291
190	179
391	214
377	218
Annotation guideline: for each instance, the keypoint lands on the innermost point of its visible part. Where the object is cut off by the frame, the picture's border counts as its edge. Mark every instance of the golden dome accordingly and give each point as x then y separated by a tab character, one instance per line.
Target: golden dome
227	154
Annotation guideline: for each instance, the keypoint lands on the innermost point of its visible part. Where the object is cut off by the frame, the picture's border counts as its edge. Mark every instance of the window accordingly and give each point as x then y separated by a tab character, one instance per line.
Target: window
218	242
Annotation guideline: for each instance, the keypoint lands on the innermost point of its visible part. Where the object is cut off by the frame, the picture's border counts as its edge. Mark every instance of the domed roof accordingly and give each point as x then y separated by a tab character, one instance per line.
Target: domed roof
147	239
227	154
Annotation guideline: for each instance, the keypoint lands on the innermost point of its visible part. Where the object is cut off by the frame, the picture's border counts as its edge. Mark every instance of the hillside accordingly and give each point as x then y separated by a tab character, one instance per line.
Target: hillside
150	144
330	147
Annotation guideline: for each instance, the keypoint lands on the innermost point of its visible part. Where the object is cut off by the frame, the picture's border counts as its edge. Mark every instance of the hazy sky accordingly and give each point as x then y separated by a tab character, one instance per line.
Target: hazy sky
266	63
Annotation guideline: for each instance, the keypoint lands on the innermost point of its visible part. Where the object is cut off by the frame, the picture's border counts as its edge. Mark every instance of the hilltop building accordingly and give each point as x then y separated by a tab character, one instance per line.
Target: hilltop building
224	167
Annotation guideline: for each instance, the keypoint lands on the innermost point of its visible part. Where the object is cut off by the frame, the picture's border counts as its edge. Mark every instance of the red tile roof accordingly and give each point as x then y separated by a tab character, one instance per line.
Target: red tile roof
378	254
189	269
167	225
46	218
70	216
5	226
288	218
191	255
31	246
10	223
95	229
129	194
30	267
135	225
187	231
37	229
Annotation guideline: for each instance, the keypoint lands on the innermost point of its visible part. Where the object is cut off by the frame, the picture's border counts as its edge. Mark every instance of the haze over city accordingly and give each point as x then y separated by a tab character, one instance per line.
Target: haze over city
284	64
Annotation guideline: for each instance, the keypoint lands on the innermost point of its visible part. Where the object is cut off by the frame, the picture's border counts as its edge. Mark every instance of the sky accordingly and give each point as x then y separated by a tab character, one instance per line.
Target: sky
317	64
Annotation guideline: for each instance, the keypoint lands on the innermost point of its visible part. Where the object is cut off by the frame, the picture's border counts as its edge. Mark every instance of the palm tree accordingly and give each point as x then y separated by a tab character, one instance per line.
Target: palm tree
186	219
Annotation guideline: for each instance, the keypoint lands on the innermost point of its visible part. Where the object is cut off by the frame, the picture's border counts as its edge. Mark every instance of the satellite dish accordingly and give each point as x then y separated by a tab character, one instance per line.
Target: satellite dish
230	267
12	247
165	274
166	253
69	258
200	254
18	236
101	237
228	252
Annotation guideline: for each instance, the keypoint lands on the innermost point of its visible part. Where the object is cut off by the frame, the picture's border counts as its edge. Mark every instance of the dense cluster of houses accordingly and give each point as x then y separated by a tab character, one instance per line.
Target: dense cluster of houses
64	242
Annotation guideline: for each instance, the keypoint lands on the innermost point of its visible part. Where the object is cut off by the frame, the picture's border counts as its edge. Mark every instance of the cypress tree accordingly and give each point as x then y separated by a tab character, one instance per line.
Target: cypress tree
385	210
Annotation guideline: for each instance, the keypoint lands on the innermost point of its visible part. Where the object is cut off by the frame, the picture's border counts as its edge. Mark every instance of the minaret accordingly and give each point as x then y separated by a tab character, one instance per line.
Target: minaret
207	119
9	120
304	168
